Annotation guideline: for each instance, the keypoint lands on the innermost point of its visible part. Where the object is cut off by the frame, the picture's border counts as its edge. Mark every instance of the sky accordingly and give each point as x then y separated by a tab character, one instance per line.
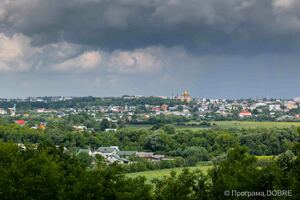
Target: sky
212	48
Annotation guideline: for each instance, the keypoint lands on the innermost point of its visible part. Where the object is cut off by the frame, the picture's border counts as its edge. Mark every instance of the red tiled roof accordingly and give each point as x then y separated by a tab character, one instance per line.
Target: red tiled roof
20	122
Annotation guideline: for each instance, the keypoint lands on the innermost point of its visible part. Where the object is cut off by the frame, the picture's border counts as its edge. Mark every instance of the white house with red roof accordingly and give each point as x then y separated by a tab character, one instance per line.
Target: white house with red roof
245	113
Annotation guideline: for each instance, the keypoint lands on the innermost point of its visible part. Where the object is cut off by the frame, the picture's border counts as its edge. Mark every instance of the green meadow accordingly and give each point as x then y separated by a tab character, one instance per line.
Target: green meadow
253	124
235	124
152	174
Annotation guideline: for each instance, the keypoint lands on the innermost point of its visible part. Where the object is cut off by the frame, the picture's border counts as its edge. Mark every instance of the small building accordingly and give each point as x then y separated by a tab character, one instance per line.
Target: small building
111	154
43	110
21	122
164	107
157	157
80	128
40	110
291	105
3	112
245	114
26	115
156	109
110	130
42	125
150	156
146	155
12	111
116	158
127	154
107	151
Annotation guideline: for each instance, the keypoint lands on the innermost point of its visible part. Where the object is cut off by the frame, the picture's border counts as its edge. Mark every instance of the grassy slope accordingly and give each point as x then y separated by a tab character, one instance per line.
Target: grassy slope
151	174
235	124
250	124
165	172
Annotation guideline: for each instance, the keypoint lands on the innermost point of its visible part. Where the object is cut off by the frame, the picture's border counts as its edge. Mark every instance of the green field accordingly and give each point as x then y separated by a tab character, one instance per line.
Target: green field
165	172
152	174
250	124
235	124
265	157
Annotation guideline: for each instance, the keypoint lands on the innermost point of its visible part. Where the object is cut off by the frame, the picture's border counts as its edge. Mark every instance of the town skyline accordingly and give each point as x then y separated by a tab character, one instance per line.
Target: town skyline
161	95
139	95
141	109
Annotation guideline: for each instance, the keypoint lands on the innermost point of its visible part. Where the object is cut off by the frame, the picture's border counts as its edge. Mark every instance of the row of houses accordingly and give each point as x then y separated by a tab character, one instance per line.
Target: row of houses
114	154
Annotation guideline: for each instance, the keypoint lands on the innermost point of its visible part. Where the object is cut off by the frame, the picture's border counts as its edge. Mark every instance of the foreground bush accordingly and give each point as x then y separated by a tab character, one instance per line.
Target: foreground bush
47	172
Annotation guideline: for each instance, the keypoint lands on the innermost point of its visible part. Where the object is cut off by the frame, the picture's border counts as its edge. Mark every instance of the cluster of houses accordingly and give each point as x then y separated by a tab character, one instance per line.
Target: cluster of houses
204	108
275	108
114	154
41	125
10	111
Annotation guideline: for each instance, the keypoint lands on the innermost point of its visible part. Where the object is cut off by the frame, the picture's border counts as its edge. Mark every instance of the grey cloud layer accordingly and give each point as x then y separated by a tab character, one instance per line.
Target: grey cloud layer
18	55
218	48
205	26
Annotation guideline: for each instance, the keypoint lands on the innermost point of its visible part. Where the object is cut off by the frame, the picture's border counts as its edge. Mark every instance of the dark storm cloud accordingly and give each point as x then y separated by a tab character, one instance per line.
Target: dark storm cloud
206	26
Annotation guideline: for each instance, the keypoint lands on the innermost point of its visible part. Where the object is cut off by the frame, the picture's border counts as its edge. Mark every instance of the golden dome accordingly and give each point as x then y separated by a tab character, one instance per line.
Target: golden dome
186	94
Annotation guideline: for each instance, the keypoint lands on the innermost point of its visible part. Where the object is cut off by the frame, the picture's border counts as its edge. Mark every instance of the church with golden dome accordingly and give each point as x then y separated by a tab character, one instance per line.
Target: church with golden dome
186	97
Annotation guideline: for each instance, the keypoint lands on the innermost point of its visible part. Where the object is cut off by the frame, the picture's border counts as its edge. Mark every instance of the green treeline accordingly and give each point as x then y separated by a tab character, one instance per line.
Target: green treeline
192	145
48	172
83	102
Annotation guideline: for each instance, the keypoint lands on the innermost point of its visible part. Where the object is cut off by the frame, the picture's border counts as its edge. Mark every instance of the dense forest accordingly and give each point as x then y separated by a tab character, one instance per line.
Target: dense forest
48	172
165	139
83	102
186	146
